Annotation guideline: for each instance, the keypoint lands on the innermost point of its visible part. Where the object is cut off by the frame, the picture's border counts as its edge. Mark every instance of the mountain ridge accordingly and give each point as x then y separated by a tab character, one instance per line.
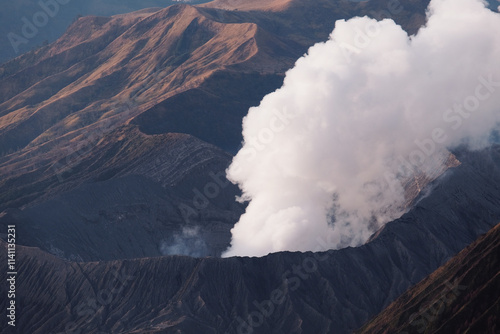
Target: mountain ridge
32	24
329	292
457	297
141	68
102	170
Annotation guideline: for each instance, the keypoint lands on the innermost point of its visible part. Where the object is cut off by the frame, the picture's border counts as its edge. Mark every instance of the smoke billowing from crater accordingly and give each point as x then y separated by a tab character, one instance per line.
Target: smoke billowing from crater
325	156
187	242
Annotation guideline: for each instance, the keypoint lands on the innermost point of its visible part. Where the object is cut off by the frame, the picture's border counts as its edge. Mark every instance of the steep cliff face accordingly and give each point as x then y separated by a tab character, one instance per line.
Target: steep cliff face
459	297
332	292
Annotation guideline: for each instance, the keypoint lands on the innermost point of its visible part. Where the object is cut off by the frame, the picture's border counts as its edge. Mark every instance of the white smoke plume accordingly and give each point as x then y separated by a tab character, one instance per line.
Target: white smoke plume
323	155
187	242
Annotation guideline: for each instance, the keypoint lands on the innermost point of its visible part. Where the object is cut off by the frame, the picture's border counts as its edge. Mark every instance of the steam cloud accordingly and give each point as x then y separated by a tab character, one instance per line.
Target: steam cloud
324	156
187	242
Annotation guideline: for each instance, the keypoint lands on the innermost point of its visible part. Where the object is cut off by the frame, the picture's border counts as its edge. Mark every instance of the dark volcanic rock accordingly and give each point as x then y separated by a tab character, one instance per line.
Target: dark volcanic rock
459	297
214	110
139	196
332	292
125	217
80	180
